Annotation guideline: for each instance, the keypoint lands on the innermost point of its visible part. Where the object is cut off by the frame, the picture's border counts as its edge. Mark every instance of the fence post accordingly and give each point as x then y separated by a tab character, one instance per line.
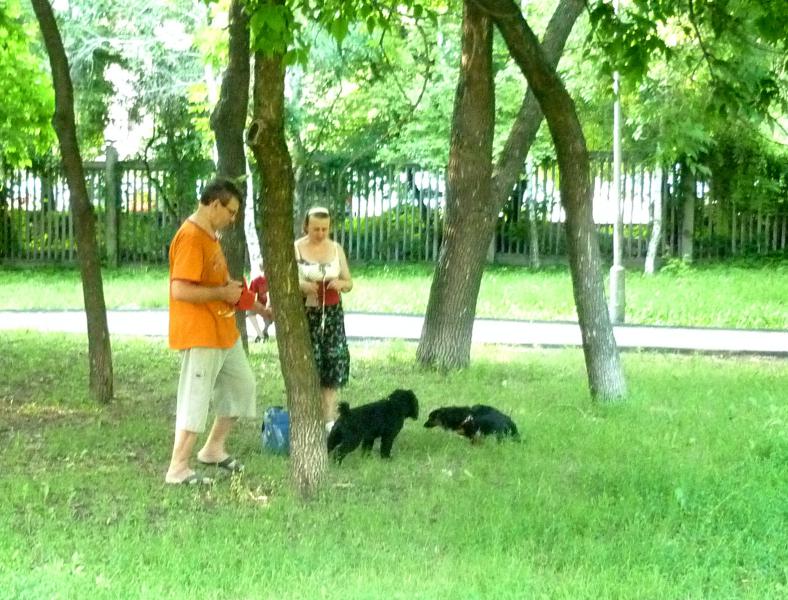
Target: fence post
112	186
491	251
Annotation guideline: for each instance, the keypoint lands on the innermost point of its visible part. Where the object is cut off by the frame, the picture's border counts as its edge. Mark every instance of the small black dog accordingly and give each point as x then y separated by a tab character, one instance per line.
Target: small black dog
473	422
382	419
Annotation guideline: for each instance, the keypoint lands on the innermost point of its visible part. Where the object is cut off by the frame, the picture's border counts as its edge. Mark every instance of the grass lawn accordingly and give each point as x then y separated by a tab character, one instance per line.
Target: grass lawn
738	294
679	493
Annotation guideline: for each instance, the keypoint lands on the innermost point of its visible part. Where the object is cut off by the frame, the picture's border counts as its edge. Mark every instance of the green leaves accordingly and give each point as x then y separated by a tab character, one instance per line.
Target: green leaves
27	100
338	29
272	26
693	71
627	41
278	25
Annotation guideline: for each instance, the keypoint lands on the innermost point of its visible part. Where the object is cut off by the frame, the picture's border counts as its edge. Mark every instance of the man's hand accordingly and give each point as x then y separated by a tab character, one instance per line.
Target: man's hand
231	291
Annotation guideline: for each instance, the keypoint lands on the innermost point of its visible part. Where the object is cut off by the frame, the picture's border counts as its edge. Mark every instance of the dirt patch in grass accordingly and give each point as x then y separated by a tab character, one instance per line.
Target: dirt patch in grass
32	415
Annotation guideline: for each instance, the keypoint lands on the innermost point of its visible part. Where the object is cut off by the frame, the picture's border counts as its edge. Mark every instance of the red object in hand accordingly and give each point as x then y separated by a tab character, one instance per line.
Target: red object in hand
246	301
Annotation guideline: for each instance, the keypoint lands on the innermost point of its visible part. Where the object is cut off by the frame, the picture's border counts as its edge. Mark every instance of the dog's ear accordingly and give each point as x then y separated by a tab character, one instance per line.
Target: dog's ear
399	394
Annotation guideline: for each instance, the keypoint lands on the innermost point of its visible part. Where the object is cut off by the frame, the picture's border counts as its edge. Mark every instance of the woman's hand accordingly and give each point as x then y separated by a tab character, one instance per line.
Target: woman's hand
339	285
308	288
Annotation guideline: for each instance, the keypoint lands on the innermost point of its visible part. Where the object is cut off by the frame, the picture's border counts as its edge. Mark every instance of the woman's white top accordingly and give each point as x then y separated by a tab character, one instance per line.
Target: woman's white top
317	271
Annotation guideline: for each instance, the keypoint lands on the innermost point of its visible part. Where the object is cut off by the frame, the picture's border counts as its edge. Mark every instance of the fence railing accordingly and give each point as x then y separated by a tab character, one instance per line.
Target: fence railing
381	213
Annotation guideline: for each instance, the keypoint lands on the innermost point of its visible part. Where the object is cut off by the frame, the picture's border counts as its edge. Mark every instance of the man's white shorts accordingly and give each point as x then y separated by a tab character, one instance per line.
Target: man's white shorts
221	375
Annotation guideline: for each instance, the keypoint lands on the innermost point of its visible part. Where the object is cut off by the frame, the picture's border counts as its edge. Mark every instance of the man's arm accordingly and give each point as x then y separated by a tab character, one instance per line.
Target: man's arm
188	291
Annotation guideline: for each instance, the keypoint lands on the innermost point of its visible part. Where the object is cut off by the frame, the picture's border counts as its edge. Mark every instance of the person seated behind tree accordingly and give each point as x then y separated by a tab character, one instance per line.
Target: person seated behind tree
262	306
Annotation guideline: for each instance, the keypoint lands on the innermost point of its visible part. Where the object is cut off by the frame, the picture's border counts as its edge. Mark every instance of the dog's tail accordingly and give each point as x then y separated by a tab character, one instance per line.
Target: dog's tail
344	409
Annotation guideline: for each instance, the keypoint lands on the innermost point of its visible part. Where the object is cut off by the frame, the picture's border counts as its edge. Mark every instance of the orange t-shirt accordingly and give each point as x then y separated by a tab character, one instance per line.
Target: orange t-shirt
196	256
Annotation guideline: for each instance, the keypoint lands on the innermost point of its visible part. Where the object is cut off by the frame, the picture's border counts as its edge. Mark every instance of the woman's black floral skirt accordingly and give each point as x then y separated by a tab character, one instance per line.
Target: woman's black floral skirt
329	345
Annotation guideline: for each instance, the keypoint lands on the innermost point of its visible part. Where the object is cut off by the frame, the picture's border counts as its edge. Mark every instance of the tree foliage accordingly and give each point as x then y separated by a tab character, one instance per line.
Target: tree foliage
692	70
376	80
27	101
356	70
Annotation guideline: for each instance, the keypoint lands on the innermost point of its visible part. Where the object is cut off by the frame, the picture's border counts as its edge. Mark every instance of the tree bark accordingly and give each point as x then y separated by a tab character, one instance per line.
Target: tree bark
470	216
266	136
529	118
656	235
533	225
687	184
448	326
228	121
99	349
603	364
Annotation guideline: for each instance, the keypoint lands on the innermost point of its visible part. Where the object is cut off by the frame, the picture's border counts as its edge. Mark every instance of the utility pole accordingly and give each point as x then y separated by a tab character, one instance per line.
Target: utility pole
617	299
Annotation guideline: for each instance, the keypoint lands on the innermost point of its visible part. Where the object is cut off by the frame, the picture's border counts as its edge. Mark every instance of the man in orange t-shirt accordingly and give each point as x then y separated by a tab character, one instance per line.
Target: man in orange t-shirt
214	366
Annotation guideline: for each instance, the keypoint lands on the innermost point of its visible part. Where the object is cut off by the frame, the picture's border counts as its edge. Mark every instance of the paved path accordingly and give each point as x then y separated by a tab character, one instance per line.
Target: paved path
378	326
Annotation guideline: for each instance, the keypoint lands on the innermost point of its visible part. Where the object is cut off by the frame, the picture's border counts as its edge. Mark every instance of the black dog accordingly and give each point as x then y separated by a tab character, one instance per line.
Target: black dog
473	422
382	419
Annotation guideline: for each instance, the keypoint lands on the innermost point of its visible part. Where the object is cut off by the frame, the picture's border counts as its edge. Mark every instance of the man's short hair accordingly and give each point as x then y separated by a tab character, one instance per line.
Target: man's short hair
220	189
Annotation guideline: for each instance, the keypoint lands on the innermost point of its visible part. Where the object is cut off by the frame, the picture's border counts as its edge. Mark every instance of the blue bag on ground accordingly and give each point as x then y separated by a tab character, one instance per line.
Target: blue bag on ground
276	430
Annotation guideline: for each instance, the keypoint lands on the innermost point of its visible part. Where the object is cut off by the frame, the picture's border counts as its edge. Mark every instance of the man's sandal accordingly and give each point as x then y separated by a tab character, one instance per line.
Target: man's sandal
194	479
229	464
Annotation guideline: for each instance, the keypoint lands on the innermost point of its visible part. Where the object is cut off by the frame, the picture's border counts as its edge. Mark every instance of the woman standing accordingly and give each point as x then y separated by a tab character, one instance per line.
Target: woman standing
323	275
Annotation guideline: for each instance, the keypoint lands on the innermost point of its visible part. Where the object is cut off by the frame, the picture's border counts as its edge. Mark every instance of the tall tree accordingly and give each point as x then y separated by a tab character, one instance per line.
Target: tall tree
473	201
228	122
274	41
99	349
509	166
687	198
266	137
469	212
272	30
603	364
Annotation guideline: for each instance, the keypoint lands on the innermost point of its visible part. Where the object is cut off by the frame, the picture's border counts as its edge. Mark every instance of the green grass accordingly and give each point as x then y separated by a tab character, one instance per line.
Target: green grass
738	294
679	493
61	288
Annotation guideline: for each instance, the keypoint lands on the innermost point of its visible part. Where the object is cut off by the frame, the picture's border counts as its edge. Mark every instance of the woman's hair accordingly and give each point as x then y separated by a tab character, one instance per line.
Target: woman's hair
220	189
320	212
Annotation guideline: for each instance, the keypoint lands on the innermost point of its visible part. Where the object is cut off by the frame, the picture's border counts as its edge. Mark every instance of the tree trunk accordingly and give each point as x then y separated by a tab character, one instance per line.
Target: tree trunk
470	215
686	247
603	364
227	122
99	349
529	118
533	225
448	325
112	199
308	460
656	235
